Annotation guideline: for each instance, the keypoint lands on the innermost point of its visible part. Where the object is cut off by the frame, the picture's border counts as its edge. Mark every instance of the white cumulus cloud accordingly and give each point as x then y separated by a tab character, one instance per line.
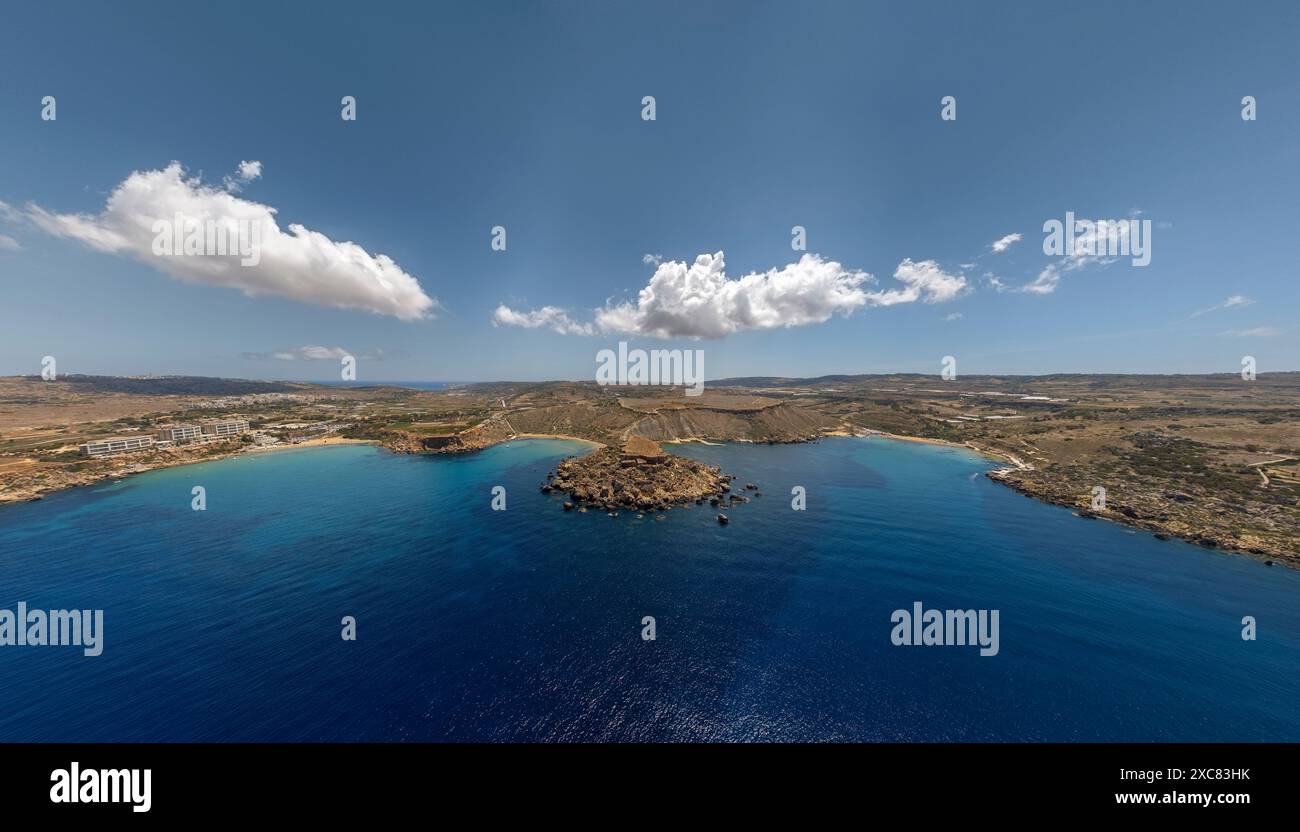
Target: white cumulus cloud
699	299
923	281
295	263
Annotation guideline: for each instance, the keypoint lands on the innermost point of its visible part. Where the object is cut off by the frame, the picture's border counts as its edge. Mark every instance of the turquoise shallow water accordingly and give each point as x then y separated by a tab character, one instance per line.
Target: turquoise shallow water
525	624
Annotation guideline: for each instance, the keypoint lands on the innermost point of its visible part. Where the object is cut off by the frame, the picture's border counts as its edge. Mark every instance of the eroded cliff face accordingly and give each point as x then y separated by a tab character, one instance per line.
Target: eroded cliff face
618	478
781	423
491	432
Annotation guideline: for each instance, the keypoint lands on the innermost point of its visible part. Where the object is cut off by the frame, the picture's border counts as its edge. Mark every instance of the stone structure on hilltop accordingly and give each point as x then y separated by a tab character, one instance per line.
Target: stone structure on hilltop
638	450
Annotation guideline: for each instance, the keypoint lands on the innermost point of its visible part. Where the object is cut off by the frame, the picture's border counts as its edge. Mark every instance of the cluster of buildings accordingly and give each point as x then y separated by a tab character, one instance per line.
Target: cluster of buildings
167	436
249	400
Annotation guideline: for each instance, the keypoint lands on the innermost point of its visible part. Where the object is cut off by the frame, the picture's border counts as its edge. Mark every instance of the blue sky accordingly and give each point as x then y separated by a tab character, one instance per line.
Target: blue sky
768	115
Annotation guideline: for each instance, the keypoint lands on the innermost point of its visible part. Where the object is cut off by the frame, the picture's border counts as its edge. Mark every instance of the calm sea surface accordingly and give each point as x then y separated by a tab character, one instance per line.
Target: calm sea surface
525	624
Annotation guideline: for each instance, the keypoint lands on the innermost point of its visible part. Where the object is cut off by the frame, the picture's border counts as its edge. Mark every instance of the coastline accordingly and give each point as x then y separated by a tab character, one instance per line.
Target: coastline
989	453
309	443
35	493
1007	476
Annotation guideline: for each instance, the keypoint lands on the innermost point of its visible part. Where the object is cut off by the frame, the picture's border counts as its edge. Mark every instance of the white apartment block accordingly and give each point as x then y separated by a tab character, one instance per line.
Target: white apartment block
224	427
116	445
179	434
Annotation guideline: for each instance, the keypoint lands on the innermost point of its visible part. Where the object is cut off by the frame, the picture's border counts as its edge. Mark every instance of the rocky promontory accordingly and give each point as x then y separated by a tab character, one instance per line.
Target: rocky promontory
640	476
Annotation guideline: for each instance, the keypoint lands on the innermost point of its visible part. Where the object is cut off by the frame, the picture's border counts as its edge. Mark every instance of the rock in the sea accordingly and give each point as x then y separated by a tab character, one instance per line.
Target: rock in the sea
722	519
639	476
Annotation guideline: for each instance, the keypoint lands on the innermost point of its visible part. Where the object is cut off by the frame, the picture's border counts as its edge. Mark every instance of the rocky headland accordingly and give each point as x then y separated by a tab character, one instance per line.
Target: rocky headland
1185	512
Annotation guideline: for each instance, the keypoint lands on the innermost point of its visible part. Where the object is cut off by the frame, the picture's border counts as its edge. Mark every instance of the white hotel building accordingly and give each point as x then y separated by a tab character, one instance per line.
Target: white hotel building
221	428
116	445
179	434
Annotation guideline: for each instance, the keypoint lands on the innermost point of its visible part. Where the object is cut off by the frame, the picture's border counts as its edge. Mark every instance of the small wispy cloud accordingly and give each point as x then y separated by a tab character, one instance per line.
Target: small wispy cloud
312	352
1231	303
1090	248
549	317
8	243
1005	243
652	259
247	172
1257	332
955	316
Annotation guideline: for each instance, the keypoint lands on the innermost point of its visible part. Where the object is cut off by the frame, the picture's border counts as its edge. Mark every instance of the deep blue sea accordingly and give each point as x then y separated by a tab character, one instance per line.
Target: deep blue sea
525	624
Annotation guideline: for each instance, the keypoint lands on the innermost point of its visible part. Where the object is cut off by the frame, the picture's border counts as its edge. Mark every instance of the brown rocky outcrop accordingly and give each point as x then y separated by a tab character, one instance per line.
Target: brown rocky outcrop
640	475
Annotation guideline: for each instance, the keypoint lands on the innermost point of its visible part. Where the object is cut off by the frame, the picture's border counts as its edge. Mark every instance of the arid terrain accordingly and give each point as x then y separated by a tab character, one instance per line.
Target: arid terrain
1212	458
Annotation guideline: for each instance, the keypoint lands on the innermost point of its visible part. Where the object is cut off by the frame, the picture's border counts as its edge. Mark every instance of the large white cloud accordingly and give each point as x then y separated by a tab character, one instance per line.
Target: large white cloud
299	264
699	300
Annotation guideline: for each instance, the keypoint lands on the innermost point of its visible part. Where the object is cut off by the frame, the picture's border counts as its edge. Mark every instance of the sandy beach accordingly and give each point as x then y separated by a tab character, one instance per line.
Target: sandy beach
309	443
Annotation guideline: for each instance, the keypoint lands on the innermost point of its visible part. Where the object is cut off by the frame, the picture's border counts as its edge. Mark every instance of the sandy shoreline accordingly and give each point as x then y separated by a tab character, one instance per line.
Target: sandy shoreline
998	456
129	469
309	443
98	477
